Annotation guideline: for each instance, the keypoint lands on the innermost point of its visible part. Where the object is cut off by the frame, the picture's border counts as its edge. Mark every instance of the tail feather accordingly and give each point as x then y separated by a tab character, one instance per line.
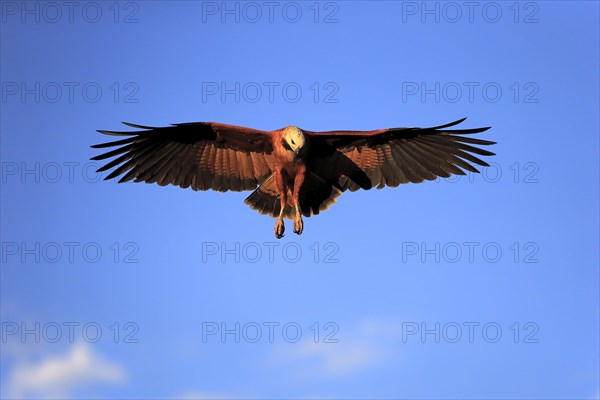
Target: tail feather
316	195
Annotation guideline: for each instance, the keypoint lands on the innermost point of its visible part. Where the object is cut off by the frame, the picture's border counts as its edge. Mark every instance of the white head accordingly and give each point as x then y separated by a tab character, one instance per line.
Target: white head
293	139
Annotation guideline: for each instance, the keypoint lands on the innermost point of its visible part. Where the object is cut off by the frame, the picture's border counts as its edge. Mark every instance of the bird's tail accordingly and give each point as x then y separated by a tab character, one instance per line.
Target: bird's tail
316	195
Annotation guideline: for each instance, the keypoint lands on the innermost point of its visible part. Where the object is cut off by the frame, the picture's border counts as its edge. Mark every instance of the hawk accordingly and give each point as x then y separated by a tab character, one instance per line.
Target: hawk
292	172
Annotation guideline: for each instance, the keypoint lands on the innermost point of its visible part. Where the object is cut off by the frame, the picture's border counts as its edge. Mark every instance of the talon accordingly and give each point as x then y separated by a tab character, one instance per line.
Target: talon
298	226
279	228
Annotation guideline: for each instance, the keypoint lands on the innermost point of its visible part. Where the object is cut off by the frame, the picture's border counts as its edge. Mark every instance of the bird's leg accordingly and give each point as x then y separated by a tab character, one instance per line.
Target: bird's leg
281	187
298	181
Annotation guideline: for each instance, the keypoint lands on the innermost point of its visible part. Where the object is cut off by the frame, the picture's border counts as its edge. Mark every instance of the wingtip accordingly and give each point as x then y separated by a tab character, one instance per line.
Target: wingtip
113	133
132	125
458	121
448	125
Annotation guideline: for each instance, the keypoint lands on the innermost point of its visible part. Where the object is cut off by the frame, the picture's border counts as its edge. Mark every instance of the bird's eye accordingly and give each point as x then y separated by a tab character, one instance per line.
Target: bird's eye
293	142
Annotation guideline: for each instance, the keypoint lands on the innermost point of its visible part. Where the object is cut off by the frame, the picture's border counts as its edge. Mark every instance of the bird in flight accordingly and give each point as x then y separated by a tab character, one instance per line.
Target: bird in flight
292	172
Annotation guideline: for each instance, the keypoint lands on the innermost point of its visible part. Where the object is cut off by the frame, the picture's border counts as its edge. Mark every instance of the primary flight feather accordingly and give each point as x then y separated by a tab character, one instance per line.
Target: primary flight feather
292	172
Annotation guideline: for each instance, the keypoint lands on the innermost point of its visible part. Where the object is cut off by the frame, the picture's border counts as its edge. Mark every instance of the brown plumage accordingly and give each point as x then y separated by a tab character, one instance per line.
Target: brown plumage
292	172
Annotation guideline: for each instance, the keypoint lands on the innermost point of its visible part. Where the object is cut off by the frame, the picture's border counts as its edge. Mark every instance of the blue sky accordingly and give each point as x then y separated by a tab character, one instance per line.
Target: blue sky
486	286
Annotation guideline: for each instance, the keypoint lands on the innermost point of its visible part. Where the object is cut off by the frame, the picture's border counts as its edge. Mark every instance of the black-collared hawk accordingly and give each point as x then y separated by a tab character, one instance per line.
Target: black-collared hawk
291	171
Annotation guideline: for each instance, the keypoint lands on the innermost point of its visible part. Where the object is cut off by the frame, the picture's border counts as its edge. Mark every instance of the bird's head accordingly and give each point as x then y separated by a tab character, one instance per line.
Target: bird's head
293	139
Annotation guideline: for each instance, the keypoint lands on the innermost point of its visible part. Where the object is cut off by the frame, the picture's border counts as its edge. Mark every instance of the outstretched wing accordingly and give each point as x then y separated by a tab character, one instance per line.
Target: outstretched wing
200	155
389	157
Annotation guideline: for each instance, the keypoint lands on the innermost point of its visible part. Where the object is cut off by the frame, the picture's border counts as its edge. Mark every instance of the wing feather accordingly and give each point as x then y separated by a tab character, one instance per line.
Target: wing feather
409	165
200	155
152	162
435	164
171	158
389	157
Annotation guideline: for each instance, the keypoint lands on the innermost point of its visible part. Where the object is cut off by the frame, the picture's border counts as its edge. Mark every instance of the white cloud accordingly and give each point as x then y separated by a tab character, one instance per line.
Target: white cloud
369	344
334	359
57	376
353	353
195	395
200	395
